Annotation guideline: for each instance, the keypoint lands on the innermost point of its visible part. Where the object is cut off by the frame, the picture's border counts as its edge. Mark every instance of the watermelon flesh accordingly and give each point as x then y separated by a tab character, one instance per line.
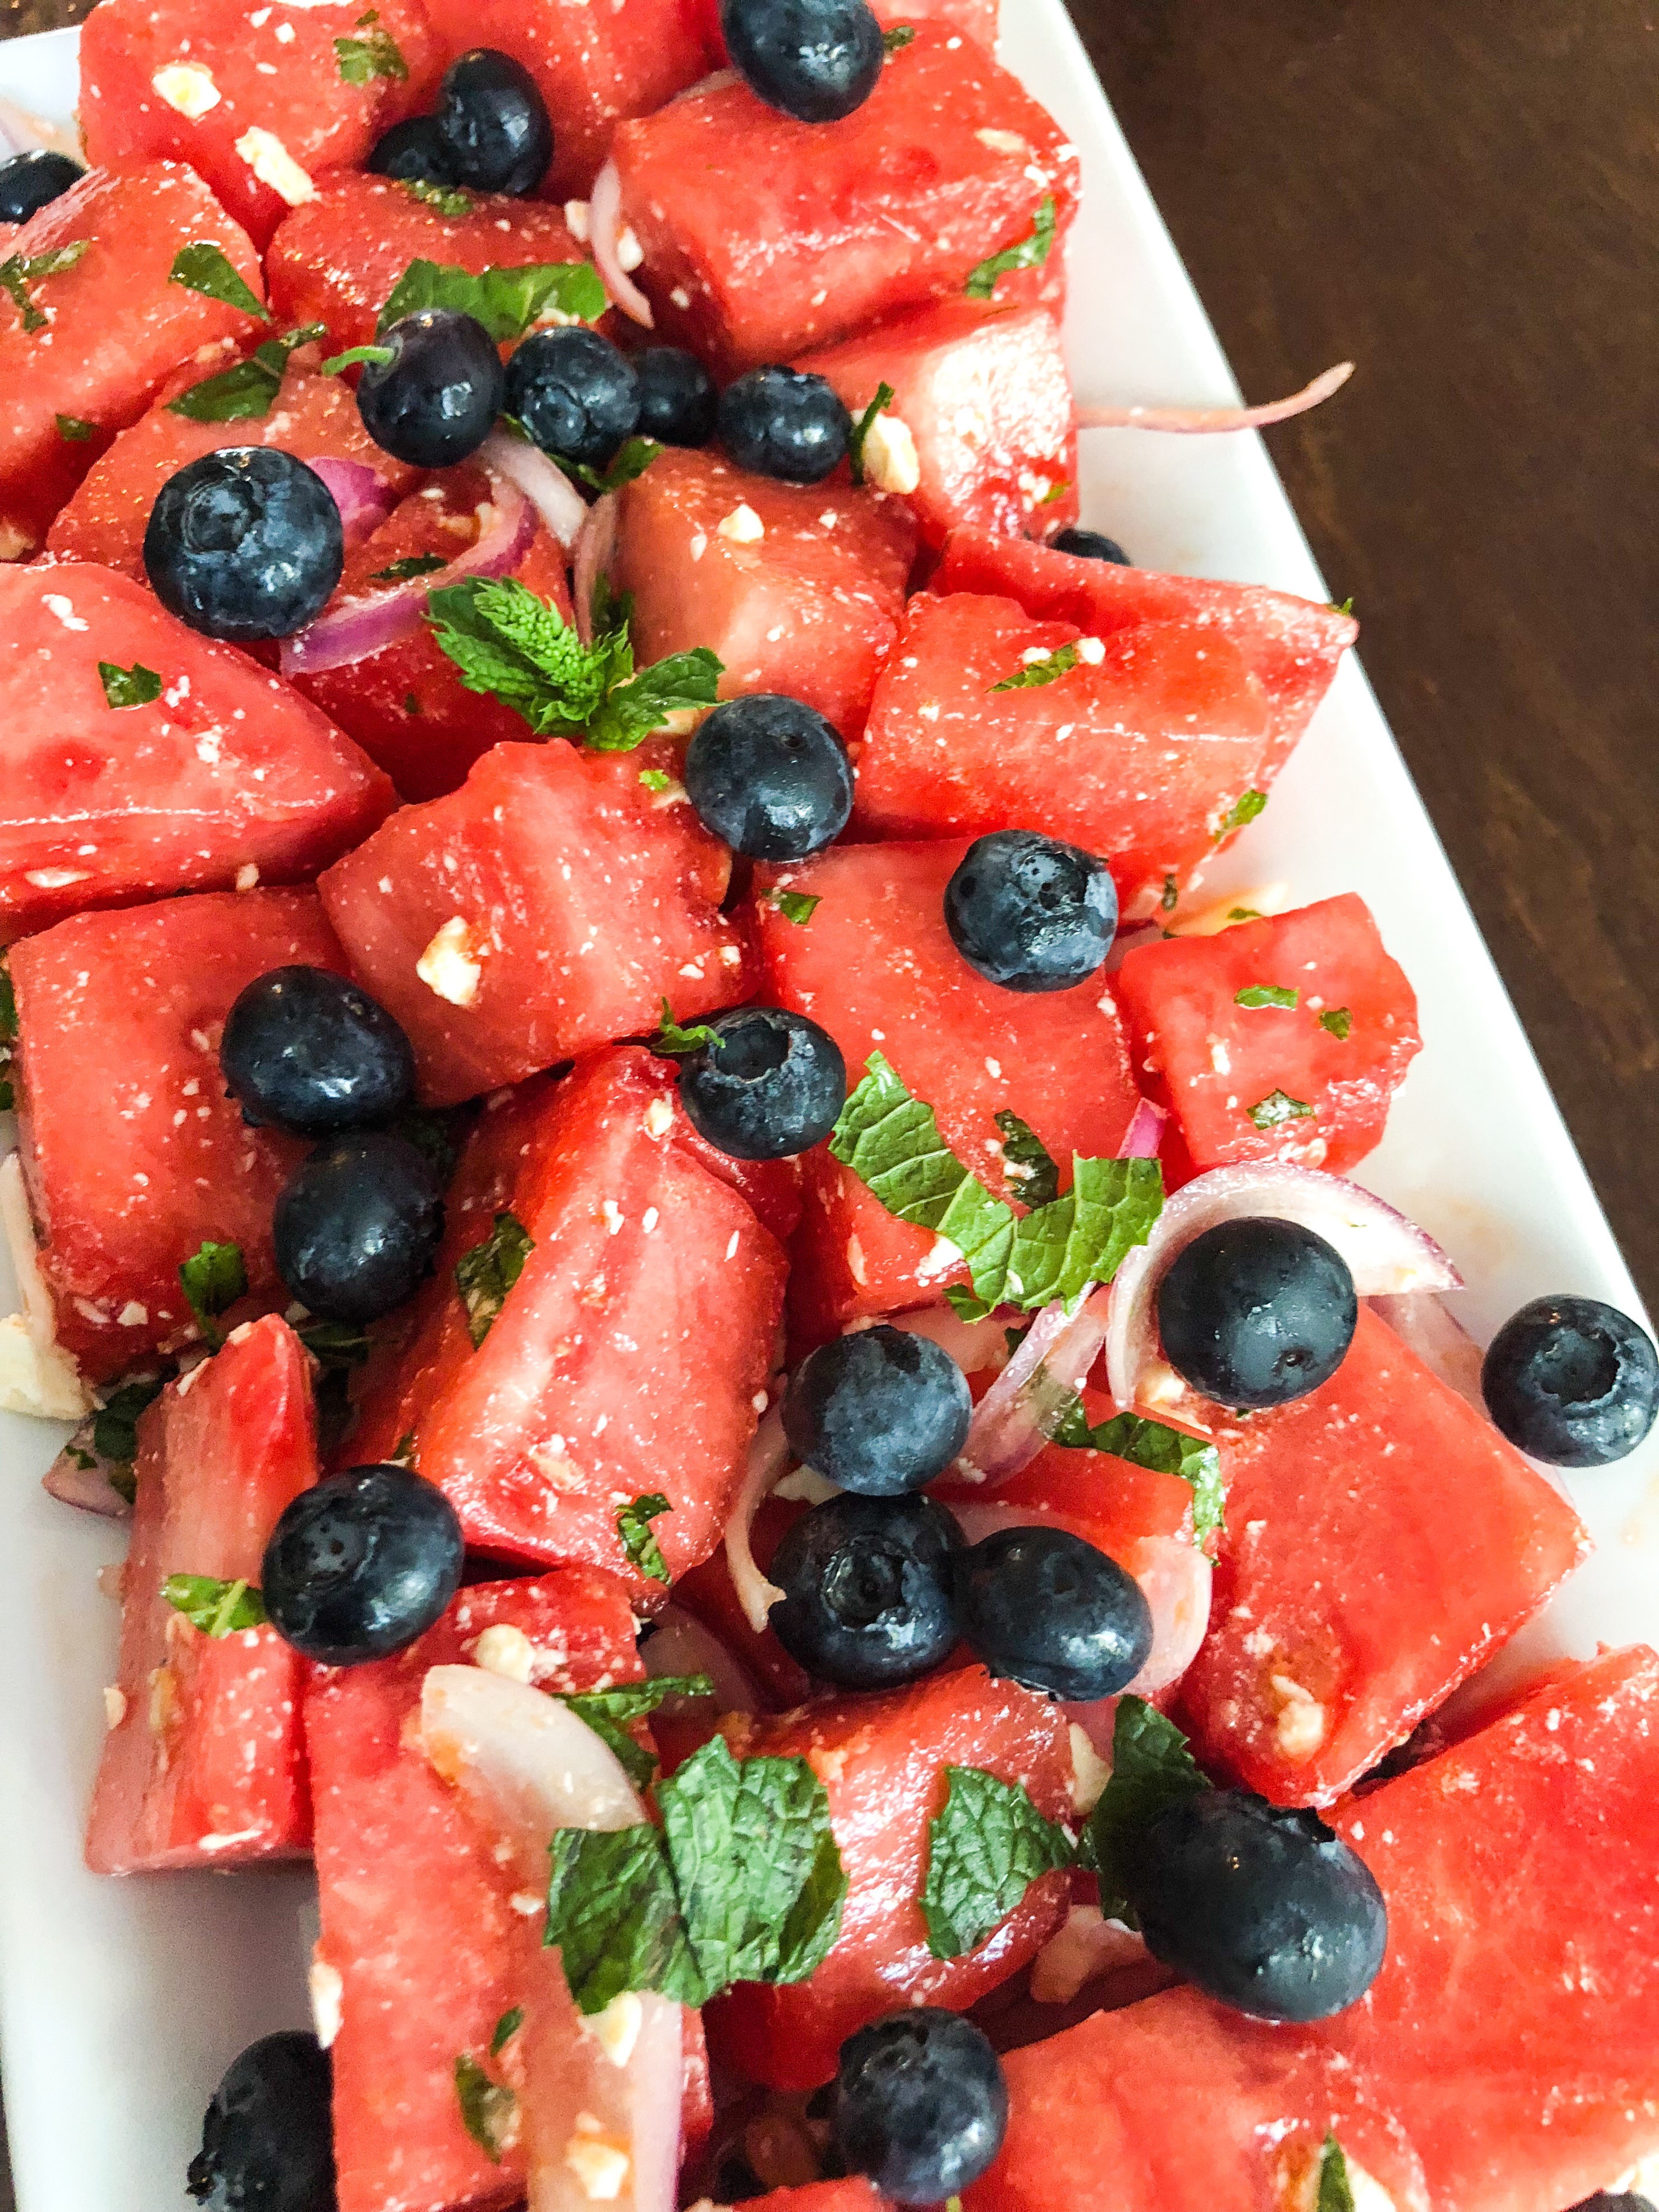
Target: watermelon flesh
204	1763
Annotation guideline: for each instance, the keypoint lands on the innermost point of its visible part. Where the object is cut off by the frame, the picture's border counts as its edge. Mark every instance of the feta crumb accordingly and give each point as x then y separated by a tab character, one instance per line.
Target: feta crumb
247	876
613	1216
732	1244
649	1220
859	1273
993	1069
327	1990
55	879
889	455
271	162
828	520
56	604
629	251
742	526
617	2029
447	967
577	221
699	545
285	34
37	1378
658	1118
681	297
133	1315
115	1706
1301	1728
504	1650
1090	1771
1091	651
187	87
1002	141
527	1903
600	2166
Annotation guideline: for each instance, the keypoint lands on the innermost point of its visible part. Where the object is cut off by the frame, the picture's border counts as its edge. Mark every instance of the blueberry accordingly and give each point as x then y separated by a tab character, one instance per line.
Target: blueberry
494	124
361	1564
814	59
1257	1312
414	150
866	1589
784	422
771	1087
920	2104
245	544
1571	1381
1089	545
574	393
267	2139
880	1412
771	777
678	403
29	182
1602	2203
1047	1609
306	1049
358	1226
436	400
1261	1904
1029	913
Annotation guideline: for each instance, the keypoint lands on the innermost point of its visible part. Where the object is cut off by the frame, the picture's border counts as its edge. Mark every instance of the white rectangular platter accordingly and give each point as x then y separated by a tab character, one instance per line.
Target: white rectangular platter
120	2003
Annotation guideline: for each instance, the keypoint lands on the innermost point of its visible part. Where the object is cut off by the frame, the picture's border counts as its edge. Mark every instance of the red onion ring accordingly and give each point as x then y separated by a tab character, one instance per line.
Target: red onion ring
87	1488
1144	1132
1424	1325
363	498
595	543
768	1455
680	1644
1217	418
605	216
545	484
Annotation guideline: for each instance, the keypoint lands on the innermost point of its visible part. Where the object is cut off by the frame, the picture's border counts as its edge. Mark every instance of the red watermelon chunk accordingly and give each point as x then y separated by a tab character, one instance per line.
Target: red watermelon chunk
1506	2059
1292	645
133	1154
1337	1055
855	2195
1381	1540
794	589
988	403
258	103
875	966
204	1763
115	328
222	777
554	902
764	236
629	1356
424	1946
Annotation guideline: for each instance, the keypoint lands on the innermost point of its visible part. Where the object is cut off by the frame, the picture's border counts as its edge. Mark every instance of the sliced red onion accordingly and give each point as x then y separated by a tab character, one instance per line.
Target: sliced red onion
20	133
79	1476
1424	1325
38	1376
596	541
1086	1947
768	1455
545	484
1144	1132
605	217
716	81
1388	1255
363	498
1217	418
680	1644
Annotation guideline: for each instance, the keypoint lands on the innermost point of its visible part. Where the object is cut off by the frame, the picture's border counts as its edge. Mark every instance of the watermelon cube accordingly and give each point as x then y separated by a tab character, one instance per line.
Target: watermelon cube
1356	1583
114	327
204	772
988	404
629	1358
549	905
133	1155
204	1762
947	164
1273	1040
794	589
875	966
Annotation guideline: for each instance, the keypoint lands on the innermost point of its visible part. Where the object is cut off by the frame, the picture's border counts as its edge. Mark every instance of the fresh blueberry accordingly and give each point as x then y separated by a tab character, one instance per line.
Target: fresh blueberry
267	2139
784	422
1031	912
574	393
866	1589
920	2104
771	777
436	400
414	150
1089	545
771	1087
306	1049
1048	1610
1257	1312
361	1564
880	1412
678	403
494	124
1602	2203
29	182
1571	1381
245	544
814	59
1261	1904
358	1226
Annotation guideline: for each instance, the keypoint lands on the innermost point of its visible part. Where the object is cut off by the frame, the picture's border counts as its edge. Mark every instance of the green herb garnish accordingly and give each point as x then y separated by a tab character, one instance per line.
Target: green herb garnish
128	687
1058	663
484	1276
895	39
489	2111
633	457
214	1278
1265	994
1151	1445
861	428
798	907
1027	1165
1337	1021
609	1713
1277	1106
74	429
217	1608
247	391
376	54
18	272
984	1851
1244	808
507	301
203	268
1028	254
1152	1769
638	1537
671	1040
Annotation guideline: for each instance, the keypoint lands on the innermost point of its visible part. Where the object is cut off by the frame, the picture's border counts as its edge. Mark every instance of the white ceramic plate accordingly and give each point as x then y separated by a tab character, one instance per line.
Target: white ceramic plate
120	2003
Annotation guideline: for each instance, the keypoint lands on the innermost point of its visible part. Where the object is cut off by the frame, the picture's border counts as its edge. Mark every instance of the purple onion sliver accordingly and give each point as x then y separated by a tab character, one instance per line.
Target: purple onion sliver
363	497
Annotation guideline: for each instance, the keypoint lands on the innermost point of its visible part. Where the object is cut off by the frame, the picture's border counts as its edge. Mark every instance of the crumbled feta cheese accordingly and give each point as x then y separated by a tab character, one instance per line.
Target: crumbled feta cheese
271	162
742	526
1002	141
577	221
247	876
1091	651
699	545
658	1118
600	2165
1085	1945
889	455
115	1706
681	297
283	34
527	1903
37	1378
505	1650
613	1217
617	2029
133	1315
63	608
327	1990
448	967
629	251
1090	1771
188	86
55	879
804	1485
1301	1726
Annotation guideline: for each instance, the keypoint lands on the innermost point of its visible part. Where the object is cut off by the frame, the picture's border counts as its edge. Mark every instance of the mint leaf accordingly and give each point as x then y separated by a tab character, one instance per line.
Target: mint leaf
484	1276
1171	898
505	2029
1151	1445
247	391
654	779
1029	253
1083	1238
377	54
861	428
115	1425
1337	1021
18	272
1277	1106
798	907
1053	664
214	1278
218	1609
71	427
634	1527
128	687
447	201
489	2111
1243	913
609	1713
412	564
335	1345
1152	1769
984	1851
1244	808
506	300
1335	2190
1056	493
1027	1165
1265	994
203	268
670	1040
633	457
631	711
895	39
612	1910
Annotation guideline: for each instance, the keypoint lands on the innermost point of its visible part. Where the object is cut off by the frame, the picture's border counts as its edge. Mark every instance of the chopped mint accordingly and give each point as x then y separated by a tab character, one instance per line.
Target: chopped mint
115	1425
1343	606
612	1910
506	2028
412	564
128	687
1278	1106
1337	1021
1027	1166
655	778
507	301
608	1713
1335	2190
1055	664
334	1344
638	1538
1028	254
1082	1238
1244	808
484	1276
411	704
671	1040
247	391
861	428
633	457
1171	898
375	54
124	1483
1151	1444
895	39
1243	913
1055	492
217	1608
203	268
1152	1769
984	1851
448	201
1265	994
798	907
18	272
403	1452
74	429
214	1278
489	2111
357	356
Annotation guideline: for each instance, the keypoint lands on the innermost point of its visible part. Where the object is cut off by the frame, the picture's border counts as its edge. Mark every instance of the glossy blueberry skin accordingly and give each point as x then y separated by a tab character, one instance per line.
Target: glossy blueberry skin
920	2104
1571	1381
784	422
31	181
1257	1312
267	2139
880	1412
494	124
1045	1608
361	1564
1031	912
575	394
1261	1904
244	544
866	1583
769	776
772	1086
306	1049
1090	545
678	403
817	60
358	1226
414	150
436	401
1602	2203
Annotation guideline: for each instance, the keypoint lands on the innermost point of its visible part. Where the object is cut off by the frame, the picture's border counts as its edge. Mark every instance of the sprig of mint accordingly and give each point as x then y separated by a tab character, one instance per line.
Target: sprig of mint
18	272
1056	664
639	1540
1152	1769
506	300
1335	2190
505	2029
609	1713
412	564
860	429
202	267
1265	994
248	391
1151	1445
672	1041
985	1849
484	1276
632	458
489	2111
1027	253
214	1278
1279	1107
136	686
375	54
216	1607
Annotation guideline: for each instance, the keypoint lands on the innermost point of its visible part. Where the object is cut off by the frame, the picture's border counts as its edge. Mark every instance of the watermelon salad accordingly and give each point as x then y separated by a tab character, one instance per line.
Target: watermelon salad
759	1396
